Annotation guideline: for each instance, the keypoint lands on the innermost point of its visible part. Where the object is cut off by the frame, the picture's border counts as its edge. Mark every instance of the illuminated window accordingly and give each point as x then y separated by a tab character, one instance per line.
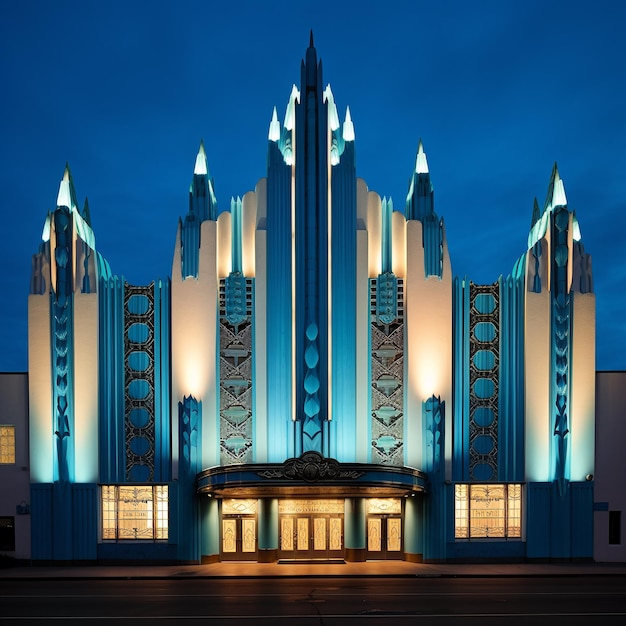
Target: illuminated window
7	444
486	511
134	512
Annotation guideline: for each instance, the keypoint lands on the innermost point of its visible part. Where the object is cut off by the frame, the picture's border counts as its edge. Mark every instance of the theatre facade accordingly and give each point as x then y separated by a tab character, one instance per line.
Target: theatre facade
312	382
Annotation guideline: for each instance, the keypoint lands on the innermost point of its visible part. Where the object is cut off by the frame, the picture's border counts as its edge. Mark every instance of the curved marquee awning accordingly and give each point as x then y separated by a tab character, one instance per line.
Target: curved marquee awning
309	475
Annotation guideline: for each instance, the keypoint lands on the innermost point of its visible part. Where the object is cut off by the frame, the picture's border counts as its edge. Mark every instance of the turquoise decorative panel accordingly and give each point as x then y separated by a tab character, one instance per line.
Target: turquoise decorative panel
484	374
139	383
236	370
387	375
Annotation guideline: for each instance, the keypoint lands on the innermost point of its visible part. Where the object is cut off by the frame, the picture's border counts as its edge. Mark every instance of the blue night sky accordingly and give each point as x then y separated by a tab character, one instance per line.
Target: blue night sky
498	91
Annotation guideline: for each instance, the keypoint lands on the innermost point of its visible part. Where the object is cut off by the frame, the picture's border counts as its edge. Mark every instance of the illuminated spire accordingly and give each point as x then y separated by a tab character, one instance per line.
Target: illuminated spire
274	134
556	191
66	196
202	201
86	213
201	163
421	164
333	116
536	214
348	127
290	113
576	234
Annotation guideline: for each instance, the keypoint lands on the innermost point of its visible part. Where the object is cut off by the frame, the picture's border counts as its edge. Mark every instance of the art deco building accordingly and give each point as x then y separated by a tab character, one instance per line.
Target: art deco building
313	381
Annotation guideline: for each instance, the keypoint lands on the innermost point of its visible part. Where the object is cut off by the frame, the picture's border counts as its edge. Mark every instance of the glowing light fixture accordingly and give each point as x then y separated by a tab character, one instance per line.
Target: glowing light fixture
333	117
576	229
348	127
64	197
421	164
290	114
274	134
200	168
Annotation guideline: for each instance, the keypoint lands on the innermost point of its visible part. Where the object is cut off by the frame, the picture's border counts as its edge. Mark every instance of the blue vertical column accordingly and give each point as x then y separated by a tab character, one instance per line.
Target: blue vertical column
190	436
112	443
279	306
312	259
162	309
354	531
62	336
511	381
433	420
460	443
343	187
268	530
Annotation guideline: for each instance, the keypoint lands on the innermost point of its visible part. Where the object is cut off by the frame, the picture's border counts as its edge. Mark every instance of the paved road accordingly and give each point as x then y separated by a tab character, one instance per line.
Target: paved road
333	601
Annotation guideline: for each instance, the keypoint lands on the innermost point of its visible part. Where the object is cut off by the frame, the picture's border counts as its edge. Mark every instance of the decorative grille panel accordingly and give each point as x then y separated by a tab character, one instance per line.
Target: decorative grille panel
387	378
484	344
139	382
236	392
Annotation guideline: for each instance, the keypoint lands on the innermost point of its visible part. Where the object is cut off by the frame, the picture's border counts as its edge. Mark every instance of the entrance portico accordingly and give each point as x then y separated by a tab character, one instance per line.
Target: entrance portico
313	508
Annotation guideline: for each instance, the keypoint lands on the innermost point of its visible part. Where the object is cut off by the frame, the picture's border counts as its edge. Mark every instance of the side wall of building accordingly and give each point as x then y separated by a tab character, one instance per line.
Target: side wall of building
610	495
15	477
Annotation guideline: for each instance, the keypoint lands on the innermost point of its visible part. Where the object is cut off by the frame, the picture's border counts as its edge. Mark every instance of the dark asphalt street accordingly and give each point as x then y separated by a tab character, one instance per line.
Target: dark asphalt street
596	600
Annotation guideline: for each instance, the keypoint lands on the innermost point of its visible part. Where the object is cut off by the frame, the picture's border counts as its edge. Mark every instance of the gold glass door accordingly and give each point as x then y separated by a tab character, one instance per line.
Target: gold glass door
384	537
311	537
239	539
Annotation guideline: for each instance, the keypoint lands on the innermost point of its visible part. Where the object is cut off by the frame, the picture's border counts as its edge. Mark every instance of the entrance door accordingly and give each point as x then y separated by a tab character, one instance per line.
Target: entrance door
311	536
239	538
384	537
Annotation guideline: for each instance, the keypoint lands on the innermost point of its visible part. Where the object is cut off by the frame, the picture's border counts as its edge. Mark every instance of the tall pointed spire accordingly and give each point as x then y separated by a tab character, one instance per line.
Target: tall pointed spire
556	191
421	164
311	45
67	195
201	167
348	127
274	133
536	214
420	198
86	213
202	201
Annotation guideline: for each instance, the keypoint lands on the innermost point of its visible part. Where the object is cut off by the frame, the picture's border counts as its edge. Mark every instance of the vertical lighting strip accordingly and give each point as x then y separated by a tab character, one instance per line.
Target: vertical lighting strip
329	268
293	272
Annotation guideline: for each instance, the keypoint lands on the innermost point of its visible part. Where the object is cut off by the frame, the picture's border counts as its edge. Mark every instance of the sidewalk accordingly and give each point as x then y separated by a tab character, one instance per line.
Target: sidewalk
307	570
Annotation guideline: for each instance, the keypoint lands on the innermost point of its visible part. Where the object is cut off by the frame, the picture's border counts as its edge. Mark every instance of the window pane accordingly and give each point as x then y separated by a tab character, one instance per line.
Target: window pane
7	443
134	512
109	527
461	512
487	505
162	516
514	511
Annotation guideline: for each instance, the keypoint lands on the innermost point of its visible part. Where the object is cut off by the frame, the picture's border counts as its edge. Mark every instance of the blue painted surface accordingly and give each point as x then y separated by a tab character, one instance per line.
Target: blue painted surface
189	464
162	356
435	504
342	444
112	458
280	440
511	382
41	521
460	380
136	551
311	231
85	521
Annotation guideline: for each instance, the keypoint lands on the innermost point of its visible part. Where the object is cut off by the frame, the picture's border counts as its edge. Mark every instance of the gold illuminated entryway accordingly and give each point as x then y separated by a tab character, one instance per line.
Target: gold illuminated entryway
311	529
239	530
384	528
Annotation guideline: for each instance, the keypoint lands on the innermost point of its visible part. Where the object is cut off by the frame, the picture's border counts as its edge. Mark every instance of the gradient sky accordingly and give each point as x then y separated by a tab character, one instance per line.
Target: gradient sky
497	90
